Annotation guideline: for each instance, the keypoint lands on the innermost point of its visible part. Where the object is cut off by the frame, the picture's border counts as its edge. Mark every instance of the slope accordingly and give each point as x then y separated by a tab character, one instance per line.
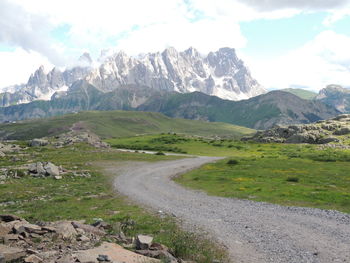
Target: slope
261	112
108	124
302	93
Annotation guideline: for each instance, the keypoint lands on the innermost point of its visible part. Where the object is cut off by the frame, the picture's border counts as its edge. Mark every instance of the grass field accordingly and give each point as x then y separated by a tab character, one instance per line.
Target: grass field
109	124
46	199
296	175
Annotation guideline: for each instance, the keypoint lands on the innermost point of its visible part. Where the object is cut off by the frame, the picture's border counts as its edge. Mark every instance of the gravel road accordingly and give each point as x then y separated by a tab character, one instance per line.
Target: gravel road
253	232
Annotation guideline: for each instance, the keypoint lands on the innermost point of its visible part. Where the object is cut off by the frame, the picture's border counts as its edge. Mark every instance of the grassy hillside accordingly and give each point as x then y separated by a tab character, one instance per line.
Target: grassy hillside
260	112
302	93
108	124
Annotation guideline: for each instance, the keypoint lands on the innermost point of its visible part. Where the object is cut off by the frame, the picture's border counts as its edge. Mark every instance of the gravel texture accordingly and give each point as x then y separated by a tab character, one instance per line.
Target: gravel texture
252	231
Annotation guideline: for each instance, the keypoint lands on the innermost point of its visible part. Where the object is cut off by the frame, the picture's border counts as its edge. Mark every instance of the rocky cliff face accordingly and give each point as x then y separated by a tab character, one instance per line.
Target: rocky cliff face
336	96
221	73
42	85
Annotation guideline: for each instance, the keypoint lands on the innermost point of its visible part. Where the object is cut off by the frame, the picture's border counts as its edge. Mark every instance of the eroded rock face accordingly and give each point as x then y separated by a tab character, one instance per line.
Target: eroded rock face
322	132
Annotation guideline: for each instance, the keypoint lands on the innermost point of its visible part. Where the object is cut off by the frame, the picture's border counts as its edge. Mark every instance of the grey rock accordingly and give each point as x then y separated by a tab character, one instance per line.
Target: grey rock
38	142
342	131
143	242
51	169
11	253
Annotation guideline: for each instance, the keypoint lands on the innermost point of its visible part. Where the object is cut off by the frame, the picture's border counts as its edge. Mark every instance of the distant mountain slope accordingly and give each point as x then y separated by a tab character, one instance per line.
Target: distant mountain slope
109	124
302	93
261	112
336	96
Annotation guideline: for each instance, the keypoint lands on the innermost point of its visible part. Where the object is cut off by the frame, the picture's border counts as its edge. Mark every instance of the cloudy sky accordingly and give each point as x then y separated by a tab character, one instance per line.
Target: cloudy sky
285	43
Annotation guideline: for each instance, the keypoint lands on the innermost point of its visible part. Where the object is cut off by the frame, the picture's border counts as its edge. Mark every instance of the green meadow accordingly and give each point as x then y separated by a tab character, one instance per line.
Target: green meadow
91	198
286	174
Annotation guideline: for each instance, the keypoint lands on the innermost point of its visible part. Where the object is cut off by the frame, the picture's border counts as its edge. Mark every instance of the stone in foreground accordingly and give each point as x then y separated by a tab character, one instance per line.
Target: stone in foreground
114	252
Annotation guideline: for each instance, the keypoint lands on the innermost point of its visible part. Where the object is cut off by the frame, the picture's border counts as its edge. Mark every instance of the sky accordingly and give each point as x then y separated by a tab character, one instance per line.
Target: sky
284	43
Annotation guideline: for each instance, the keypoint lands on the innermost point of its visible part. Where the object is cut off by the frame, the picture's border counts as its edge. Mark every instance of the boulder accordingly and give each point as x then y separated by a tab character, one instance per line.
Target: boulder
38	142
11	253
64	229
327	140
342	131
51	169
44	169
143	242
9	218
2	154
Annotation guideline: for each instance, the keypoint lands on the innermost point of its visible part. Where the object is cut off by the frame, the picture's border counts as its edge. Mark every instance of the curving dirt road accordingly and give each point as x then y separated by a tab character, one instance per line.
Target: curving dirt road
254	232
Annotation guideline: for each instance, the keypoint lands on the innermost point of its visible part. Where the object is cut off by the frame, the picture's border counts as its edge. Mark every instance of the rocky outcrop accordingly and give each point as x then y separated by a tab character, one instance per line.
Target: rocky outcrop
336	96
72	241
322	132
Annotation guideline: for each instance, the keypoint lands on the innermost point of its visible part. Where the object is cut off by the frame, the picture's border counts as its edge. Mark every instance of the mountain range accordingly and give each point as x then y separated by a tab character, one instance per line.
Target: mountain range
220	73
217	88
260	112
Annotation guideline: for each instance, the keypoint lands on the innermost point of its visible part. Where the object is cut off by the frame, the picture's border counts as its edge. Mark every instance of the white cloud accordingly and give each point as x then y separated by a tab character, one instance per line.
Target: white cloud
141	26
320	62
28	31
204	35
16	66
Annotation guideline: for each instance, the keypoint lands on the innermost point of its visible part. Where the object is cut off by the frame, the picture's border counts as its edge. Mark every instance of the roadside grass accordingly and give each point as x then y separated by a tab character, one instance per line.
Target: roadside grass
286	174
84	198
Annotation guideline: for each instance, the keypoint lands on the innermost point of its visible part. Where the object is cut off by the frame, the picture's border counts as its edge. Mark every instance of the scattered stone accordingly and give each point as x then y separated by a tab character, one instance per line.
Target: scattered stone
103	258
2	154
143	242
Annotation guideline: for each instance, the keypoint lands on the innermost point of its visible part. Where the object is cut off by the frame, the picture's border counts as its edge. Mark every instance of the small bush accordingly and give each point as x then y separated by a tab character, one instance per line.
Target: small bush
232	162
292	179
160	153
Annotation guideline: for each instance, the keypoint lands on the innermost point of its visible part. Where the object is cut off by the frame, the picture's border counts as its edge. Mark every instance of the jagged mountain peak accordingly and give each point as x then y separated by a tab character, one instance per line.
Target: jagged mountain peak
220	73
85	60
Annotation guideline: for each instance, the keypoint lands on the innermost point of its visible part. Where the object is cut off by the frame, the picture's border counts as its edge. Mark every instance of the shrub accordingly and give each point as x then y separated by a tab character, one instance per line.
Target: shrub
292	179
232	162
160	153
